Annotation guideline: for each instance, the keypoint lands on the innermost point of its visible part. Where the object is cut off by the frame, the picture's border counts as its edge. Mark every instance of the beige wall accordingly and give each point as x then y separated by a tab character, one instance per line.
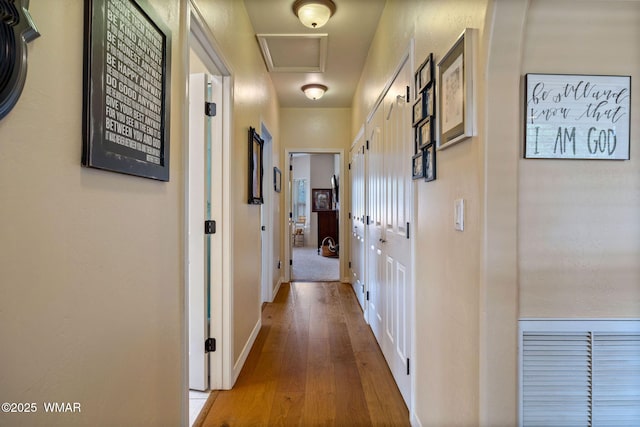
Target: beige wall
195	63
255	102
315	128
91	262
502	46
579	221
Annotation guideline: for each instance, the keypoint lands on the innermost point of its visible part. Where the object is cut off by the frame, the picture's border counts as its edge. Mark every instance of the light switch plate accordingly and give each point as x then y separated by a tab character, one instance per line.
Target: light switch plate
459	214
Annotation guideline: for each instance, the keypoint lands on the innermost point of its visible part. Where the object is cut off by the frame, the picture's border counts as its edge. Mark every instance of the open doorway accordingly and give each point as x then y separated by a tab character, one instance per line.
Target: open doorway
315	216
208	220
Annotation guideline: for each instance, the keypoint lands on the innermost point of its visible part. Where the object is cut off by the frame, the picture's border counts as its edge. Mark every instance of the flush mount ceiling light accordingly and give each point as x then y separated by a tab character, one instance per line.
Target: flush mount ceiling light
314	13
314	90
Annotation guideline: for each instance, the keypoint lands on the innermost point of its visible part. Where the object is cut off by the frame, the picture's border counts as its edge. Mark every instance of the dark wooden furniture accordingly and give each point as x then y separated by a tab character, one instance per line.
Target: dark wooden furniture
327	226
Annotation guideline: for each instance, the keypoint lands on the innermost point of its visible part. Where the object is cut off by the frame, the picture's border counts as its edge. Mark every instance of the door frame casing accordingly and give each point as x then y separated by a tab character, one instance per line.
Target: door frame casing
266	219
286	221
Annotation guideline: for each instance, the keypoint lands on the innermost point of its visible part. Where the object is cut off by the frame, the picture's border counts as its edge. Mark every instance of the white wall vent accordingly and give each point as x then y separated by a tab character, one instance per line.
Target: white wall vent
579	373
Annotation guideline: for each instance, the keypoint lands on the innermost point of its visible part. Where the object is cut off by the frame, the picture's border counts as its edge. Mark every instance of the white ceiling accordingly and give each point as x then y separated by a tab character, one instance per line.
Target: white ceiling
349	34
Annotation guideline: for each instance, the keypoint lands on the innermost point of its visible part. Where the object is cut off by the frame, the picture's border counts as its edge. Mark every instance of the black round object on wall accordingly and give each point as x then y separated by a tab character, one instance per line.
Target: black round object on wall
16	30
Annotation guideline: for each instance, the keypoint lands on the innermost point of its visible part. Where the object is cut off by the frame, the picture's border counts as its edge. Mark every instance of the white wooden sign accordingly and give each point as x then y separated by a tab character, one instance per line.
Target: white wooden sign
577	117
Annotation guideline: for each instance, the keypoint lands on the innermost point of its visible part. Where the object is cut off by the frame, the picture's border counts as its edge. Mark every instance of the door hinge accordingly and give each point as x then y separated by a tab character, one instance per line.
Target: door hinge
349	215
367	144
408	93
290	215
290	167
349	166
367	219
263	228
408	231
349	264
290	262
210	345
209	227
210	109
367	295
408	367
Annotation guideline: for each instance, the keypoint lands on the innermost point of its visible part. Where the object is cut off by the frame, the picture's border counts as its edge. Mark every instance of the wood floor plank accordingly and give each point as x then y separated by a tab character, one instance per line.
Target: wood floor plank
362	338
287	409
315	362
293	376
383	397
319	404
351	402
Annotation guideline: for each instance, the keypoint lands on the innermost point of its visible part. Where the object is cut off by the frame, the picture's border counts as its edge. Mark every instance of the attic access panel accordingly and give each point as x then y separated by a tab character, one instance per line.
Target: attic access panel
286	53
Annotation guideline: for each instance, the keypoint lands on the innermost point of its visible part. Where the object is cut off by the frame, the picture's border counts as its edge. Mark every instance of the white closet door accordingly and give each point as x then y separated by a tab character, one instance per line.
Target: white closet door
396	245
374	156
357	235
389	204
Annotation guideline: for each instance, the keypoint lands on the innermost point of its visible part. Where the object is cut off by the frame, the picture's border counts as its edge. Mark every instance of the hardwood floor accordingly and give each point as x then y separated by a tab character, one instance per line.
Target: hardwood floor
315	362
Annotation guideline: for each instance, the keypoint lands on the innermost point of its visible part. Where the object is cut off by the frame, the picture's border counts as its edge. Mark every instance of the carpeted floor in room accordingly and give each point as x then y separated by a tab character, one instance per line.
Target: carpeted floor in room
308	266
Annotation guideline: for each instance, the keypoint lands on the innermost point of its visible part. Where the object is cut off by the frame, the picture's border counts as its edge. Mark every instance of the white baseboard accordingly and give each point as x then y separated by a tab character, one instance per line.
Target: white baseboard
346	279
415	421
245	351
277	288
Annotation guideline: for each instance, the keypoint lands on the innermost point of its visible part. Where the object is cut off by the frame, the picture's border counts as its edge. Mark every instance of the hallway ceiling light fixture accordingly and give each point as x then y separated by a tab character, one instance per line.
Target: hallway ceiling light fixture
314	13
314	90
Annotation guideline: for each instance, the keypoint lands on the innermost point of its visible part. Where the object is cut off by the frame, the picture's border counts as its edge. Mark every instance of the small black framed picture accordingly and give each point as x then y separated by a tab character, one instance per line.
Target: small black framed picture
256	145
429	102
426	73
430	162
416	140
417	166
424	133
418	113
321	199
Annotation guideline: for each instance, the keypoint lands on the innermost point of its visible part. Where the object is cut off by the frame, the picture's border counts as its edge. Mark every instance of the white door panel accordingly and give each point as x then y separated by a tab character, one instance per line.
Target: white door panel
203	250
196	276
358	248
399	136
374	220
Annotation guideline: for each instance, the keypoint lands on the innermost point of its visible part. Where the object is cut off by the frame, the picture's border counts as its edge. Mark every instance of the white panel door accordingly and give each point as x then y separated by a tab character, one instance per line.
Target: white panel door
396	246
389	137
357	235
374	219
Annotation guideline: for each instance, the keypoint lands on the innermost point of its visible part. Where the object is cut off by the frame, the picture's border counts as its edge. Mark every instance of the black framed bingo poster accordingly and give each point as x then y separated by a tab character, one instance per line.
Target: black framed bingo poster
126	89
